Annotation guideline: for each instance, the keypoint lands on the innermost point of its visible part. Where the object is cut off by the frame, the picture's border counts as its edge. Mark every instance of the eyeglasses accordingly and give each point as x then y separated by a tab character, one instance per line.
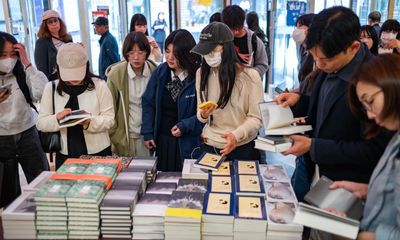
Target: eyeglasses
52	20
132	54
368	104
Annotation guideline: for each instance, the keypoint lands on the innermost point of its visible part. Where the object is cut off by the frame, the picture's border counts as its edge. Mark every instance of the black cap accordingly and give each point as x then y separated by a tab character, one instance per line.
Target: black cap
101	21
213	34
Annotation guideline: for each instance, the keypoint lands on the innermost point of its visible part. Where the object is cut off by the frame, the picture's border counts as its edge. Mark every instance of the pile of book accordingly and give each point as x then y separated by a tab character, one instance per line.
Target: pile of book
19	218
191	172
169	177
118	205
37	182
183	214
144	164
281	204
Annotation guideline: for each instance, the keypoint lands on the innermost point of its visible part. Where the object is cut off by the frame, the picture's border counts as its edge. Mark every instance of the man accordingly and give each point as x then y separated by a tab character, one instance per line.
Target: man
374	18
108	46
337	144
249	47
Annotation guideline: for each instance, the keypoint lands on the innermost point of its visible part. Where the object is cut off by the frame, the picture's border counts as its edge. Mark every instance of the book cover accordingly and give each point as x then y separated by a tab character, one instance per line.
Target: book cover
250	207
74	168
152	205
191	172
22	208
281	212
38	181
192	185
185	205
225	169
119	200
74	115
218	204
246	167
274	139
168	177
222	184
86	191
280	147
209	161
280	191
273	173
161	188
104	169
249	185
53	190
73	122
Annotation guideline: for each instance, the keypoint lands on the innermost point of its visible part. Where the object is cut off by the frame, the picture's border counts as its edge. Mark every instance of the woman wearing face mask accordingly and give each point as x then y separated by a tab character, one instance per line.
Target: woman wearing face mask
390	37
52	34
370	38
19	141
170	126
127	81
77	89
139	24
231	127
159	27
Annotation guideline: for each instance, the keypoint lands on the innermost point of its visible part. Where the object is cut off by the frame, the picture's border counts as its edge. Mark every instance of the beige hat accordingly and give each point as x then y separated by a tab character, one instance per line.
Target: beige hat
72	60
50	14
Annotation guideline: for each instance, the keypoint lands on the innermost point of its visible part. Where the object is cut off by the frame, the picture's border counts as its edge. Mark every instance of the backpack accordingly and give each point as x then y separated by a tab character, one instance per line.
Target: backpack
265	42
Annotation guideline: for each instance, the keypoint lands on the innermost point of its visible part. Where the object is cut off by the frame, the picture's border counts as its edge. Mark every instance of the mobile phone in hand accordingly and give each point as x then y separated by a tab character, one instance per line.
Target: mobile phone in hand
278	90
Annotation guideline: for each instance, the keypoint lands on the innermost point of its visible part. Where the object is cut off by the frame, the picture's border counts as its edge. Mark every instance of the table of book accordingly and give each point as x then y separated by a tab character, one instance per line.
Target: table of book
125	198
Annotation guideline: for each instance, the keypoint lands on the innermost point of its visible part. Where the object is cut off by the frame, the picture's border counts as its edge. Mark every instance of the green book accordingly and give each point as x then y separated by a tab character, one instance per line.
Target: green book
86	191
53	191
104	169
74	168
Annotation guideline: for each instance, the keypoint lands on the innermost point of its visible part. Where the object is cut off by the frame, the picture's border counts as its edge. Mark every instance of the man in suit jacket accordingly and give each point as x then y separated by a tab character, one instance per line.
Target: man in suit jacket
337	144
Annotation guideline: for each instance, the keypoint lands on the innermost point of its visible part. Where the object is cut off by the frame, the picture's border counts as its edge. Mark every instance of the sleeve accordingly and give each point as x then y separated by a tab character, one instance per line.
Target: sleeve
41	59
199	117
190	126
149	107
261	59
157	54
115	96
47	121
36	81
105	119
252	122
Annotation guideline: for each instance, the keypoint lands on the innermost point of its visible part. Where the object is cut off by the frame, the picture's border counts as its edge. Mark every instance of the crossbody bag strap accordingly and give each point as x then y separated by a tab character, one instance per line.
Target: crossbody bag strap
53	84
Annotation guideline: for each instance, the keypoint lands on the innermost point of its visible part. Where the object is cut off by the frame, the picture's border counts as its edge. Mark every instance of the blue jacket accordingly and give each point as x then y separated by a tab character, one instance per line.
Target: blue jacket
108	53
152	112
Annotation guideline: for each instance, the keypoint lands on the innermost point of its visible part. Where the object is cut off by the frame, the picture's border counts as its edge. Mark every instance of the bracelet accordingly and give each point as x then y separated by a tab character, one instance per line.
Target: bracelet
30	64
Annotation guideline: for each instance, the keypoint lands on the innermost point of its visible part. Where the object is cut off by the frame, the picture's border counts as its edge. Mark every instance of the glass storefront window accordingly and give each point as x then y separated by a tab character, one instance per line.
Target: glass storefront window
16	21
260	7
2	19
322	4
363	9
382	7
396	11
68	11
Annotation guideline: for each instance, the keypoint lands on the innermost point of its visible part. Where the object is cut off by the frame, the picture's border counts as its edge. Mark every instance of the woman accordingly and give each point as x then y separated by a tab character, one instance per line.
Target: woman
159	27
127	81
19	139
169	104
139	24
77	88
52	35
370	38
376	90
237	90
390	37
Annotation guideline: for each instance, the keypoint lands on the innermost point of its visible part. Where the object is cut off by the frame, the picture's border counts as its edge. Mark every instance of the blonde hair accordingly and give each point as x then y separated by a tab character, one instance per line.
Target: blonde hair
63	34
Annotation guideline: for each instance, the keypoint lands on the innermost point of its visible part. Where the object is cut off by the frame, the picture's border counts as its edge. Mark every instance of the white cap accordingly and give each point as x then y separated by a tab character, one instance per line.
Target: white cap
72	60
50	14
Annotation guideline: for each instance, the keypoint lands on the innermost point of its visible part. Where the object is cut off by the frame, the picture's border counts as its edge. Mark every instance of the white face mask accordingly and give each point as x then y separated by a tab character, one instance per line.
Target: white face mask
7	64
213	59
298	35
385	36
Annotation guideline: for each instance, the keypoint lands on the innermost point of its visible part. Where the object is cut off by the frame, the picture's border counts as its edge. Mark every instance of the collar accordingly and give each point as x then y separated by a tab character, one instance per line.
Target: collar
182	76
103	36
132	75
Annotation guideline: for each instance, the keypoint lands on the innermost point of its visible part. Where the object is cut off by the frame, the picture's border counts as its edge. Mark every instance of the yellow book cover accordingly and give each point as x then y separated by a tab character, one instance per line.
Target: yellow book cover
185	204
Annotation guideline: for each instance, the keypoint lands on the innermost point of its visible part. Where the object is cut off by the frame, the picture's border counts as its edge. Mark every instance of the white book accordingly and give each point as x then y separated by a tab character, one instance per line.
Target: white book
22	208
191	172
75	115
278	120
272	147
320	219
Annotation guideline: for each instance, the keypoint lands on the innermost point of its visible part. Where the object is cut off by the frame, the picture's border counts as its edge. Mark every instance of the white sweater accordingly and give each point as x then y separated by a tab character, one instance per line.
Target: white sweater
98	102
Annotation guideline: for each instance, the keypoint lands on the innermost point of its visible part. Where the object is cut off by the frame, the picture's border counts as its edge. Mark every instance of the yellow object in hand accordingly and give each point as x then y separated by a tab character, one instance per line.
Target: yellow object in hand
207	104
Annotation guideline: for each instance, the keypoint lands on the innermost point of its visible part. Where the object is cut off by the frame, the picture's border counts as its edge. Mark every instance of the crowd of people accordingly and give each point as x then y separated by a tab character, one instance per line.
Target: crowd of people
139	106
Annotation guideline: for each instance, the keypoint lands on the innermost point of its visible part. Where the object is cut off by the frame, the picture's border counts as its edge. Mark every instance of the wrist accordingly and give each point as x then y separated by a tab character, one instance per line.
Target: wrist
28	66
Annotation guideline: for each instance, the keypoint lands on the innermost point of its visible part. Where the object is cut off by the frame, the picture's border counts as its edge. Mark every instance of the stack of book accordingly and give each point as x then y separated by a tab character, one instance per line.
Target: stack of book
191	172
131	181
273	143
161	188
106	169
183	214
19	218
247	179
144	164
281	204
169	177
51	209
37	182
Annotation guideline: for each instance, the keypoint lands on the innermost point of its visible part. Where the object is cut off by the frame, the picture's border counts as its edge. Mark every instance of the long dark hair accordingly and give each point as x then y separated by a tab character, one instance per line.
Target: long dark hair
183	42
63	33
87	80
371	33
227	72
138	19
18	70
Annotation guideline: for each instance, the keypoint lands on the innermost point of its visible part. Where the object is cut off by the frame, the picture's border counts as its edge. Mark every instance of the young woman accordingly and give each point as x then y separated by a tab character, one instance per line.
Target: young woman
390	37
370	38
375	96
127	81
231	127
21	84
169	104
139	24
52	35
159	27
77	89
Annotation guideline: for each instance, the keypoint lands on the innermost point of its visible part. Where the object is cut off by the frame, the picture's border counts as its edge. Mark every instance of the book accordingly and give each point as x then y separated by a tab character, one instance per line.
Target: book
274	139
280	217
161	188
323	220
37	182
320	195
119	200
74	115
209	161
221	184
53	191
74	168
192	185
278	120
103	169
185	205
22	208
250	214
151	205
86	191
225	169
279	191
247	167
281	147
168	177
191	172
273	173
249	185
218	207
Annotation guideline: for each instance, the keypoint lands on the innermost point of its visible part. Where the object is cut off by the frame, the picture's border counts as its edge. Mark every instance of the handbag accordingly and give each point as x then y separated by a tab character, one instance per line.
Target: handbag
50	141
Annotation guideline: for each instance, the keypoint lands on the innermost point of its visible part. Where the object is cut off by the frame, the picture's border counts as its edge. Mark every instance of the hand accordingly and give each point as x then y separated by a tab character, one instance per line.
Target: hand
150	144
391	43
153	44
4	95
287	99
85	123
366	236
22	54
231	143
175	131
206	112
301	144
63	113
360	190
336	212
245	57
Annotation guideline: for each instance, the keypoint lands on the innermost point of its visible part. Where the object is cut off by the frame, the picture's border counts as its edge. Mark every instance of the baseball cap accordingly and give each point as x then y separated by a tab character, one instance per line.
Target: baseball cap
50	14
101	21
213	34
72	60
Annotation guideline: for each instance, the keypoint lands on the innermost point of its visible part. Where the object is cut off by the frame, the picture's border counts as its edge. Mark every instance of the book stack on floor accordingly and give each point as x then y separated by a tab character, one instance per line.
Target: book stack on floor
118	205
37	182
250	212
183	214
144	164
281	204
19	218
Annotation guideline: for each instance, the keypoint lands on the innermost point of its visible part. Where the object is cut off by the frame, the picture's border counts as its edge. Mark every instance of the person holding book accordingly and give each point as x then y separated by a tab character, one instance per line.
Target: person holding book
170	126
127	81
232	126
77	88
374	95
19	139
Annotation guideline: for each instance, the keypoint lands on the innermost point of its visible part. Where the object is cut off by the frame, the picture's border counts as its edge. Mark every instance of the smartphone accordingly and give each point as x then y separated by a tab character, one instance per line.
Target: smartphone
278	90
